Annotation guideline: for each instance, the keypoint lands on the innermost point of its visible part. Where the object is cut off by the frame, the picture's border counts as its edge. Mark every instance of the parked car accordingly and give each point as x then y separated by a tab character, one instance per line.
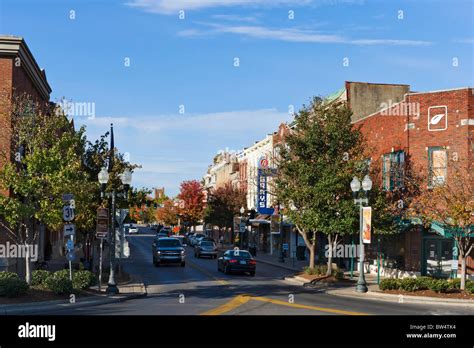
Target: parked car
168	250
237	261
205	248
132	229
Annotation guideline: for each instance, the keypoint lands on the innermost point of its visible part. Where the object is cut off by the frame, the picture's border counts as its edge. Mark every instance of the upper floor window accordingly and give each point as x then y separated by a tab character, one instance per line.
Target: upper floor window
393	170
437	166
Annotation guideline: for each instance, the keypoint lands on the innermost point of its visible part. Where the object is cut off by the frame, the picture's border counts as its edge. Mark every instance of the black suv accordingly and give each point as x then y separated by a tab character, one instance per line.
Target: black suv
168	250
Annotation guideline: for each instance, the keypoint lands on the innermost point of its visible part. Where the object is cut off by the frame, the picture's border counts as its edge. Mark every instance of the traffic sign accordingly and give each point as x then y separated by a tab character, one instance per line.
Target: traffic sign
68	213
70	256
102	223
120	215
70	244
69	230
242	227
68	197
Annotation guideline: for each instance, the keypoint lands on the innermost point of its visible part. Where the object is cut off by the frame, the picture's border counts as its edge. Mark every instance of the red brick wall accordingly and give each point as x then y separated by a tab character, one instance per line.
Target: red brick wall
6	77
387	133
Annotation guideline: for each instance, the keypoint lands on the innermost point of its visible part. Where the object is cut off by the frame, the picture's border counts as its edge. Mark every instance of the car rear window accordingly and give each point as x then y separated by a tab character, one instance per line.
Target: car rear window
207	243
240	254
169	243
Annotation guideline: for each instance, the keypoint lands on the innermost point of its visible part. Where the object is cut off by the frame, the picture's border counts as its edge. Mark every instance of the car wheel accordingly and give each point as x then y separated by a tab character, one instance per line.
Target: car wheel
183	264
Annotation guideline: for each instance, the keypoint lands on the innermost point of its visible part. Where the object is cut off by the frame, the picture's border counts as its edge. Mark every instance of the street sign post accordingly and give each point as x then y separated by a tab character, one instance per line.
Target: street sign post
68	213
102	229
69	230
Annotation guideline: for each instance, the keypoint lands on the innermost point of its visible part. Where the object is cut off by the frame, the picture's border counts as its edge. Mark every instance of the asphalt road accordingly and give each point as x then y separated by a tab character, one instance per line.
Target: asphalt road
199	289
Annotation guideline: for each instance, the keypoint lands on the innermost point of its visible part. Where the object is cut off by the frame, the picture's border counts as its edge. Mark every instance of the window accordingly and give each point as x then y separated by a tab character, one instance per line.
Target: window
437	166
393	170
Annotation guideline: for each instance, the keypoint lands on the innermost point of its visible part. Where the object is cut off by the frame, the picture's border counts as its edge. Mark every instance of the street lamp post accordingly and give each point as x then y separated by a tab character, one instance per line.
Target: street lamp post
356	188
242	211
103	177
280	257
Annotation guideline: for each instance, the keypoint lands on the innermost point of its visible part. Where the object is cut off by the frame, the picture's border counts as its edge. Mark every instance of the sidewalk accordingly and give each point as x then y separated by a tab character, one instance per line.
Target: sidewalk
126	292
290	264
375	294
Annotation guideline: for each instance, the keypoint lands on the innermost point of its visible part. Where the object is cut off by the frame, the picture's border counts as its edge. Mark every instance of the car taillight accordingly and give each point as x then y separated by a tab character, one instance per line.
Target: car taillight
232	261
252	262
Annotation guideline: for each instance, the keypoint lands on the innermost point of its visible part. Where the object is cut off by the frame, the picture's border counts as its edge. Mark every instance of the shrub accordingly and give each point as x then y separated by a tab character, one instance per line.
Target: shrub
8	275
38	277
389	284
83	279
12	287
409	284
424	283
470	287
59	282
439	285
456	283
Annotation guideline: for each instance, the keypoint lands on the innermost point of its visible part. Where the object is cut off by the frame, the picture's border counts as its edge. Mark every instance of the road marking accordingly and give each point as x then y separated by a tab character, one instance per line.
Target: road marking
314	308
227	307
209	274
243	299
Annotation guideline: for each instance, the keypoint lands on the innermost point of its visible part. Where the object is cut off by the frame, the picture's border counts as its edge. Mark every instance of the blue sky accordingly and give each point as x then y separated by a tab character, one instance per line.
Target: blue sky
190	62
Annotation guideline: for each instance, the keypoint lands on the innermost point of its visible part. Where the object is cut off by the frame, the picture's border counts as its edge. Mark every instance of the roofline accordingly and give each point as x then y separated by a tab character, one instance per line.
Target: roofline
15	46
376	83
439	90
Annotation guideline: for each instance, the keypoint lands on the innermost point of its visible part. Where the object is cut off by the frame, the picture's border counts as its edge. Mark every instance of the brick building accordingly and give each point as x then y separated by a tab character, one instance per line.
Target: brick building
432	129
19	74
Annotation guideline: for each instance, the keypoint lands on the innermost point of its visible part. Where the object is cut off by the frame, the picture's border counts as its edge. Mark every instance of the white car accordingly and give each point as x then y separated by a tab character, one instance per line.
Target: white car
133	229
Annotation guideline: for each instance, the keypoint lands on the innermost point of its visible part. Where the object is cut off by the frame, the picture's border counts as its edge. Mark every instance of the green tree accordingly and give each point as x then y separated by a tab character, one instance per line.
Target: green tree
316	166
48	162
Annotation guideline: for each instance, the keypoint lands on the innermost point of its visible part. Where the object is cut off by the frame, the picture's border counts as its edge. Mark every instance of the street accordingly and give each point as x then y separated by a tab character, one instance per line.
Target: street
199	289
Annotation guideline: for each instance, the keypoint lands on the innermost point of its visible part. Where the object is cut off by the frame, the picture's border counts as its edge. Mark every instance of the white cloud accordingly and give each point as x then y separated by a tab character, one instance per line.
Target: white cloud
235	18
465	41
173	6
226	121
299	35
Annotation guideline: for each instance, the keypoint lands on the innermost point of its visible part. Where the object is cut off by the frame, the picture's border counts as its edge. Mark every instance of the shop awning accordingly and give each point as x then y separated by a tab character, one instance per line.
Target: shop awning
260	219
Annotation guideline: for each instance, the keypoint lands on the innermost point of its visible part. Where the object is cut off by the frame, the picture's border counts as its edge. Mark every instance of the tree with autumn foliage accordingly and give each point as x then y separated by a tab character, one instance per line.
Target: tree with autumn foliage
168	213
192	198
223	204
451	204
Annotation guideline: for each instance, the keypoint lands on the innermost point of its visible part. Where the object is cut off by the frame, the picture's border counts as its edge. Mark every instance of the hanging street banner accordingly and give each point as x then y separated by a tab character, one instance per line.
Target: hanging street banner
366	224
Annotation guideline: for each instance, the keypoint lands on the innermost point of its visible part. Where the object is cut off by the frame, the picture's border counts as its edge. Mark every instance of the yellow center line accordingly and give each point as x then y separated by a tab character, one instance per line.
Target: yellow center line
243	299
314	308
209	274
227	307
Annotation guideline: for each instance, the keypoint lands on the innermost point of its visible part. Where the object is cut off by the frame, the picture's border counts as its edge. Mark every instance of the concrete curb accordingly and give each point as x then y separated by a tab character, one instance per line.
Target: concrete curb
376	296
51	306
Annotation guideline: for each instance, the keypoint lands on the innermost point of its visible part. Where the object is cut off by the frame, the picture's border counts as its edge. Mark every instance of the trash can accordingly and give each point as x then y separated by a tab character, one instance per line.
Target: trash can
300	252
